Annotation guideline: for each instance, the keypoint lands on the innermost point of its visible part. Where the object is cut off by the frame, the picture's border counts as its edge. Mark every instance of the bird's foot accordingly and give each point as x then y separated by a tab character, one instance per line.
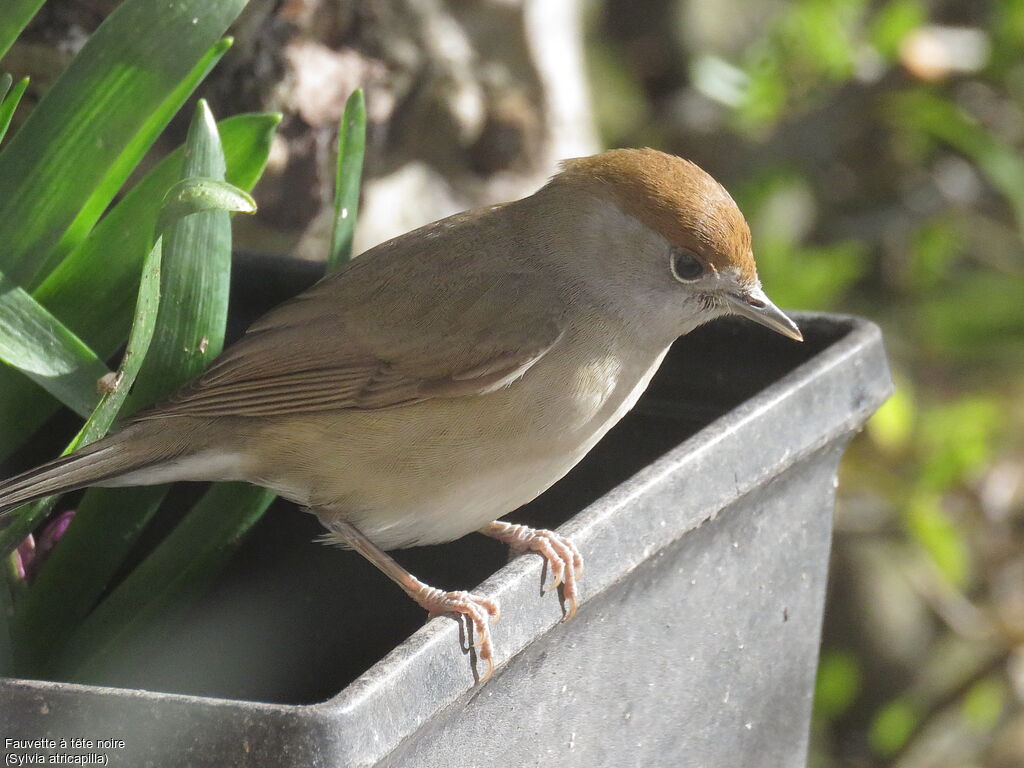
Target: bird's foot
562	556
480	612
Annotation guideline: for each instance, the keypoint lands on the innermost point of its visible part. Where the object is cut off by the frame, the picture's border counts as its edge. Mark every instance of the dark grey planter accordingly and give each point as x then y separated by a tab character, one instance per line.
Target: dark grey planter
705	520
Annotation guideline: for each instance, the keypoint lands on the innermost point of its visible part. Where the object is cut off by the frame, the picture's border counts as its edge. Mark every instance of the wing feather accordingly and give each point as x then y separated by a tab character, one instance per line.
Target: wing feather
400	324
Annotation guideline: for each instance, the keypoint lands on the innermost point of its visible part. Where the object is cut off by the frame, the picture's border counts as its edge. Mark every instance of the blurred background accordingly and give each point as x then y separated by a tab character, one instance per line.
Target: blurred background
875	147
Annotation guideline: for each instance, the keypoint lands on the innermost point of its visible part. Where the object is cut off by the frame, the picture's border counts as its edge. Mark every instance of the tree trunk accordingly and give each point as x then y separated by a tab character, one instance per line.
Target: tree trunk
469	103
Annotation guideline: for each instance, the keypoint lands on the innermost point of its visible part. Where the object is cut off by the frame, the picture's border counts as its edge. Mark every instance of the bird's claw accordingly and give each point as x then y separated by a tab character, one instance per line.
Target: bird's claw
480	613
562	556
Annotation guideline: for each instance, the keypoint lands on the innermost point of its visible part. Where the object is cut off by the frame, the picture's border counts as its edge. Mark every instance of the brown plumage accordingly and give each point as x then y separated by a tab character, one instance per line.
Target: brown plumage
450	375
672	196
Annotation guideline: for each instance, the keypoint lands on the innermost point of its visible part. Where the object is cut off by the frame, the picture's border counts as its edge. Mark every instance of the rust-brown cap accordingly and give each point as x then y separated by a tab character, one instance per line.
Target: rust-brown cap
674	197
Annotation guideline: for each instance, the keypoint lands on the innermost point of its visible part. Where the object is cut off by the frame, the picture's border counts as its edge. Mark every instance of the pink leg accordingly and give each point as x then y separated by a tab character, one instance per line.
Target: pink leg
563	558
479	611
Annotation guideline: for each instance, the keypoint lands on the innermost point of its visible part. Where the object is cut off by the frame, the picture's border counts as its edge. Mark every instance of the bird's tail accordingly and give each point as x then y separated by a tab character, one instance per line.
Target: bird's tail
95	464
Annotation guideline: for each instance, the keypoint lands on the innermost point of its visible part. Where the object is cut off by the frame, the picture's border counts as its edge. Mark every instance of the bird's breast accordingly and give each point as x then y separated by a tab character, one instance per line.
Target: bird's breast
585	397
439	469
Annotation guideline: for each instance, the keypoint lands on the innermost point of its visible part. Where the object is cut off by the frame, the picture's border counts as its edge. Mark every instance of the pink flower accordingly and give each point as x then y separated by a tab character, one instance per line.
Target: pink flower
32	552
23	556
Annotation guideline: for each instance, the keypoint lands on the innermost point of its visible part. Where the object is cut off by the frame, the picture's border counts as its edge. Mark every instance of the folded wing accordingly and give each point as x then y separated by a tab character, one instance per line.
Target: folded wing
390	329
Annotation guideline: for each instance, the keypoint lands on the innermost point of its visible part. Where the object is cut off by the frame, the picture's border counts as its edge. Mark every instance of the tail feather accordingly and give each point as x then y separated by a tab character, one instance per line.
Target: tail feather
92	465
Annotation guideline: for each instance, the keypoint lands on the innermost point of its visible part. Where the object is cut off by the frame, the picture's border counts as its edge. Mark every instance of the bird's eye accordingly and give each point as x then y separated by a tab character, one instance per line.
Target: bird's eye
685	265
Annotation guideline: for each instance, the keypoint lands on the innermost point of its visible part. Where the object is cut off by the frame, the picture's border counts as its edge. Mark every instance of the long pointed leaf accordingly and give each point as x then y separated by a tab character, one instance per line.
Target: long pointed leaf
8	588
351	149
186	562
10	103
189	333
66	589
14	17
196	279
96	108
120	169
106	268
40	614
110	403
41	347
147	307
999	161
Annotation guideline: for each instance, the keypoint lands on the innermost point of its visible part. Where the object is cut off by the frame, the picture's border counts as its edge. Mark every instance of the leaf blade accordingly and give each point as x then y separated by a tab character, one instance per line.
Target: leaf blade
193	309
196	278
14	18
110	404
186	562
122	167
42	348
9	102
106	266
126	69
351	152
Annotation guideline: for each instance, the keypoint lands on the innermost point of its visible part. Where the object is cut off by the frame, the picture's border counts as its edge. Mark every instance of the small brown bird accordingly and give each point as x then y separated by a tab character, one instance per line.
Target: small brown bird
451	375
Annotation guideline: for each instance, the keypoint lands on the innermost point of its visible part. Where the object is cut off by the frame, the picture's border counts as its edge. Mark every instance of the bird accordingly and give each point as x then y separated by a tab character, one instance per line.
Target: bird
446	377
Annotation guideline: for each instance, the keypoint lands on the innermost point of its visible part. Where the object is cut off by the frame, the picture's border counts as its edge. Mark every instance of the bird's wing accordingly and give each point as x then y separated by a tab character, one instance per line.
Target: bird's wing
375	338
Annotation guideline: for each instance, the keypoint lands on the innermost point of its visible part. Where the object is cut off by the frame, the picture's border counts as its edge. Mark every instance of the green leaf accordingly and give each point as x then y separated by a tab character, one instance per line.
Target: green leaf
128	68
999	161
8	588
185	563
892	425
9	102
811	277
120	170
61	591
819	36
765	93
892	725
984	704
194	195
146	309
990	336
782	207
838	683
189	333
99	422
893	22
939	536
1007	33
77	571
934	249
958	440
196	279
106	267
14	17
351	149
41	347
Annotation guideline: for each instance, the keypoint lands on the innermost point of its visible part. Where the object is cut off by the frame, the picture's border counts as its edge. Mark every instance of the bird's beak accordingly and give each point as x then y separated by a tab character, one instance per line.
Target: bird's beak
754	305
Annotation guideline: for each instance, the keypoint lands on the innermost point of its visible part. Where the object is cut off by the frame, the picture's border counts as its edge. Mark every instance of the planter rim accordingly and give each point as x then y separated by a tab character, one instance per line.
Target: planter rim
819	402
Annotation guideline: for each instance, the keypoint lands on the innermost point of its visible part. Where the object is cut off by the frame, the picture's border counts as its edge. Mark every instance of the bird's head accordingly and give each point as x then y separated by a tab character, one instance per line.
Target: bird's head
664	234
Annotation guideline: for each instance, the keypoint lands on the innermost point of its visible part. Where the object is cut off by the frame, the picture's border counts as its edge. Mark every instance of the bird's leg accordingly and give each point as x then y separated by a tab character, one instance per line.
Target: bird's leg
563	558
480	611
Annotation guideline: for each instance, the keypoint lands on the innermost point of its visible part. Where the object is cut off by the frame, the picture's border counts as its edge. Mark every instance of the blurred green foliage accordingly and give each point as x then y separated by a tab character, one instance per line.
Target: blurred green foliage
72	255
893	724
838	683
875	147
983	705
